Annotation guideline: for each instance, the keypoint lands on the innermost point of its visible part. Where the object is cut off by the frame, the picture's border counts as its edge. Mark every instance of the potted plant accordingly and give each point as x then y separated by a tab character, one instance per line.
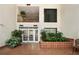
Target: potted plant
15	39
23	14
13	42
16	33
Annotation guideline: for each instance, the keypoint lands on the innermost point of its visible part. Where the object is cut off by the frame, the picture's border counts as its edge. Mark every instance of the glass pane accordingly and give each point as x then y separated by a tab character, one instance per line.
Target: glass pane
51	30
25	35
50	15
36	35
30	35
28	14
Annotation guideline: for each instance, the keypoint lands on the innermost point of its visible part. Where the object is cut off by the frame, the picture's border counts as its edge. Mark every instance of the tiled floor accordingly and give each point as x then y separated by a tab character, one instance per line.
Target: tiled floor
34	49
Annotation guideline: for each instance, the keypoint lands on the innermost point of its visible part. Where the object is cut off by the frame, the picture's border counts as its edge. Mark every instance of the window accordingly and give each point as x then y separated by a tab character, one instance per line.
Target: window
28	14
51	30
50	15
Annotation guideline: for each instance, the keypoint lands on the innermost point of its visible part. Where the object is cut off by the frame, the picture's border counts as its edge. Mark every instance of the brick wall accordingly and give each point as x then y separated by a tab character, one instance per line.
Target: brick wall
68	44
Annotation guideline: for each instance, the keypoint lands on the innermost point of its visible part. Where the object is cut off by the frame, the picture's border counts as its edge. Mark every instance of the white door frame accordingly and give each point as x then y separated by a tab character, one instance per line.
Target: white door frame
33	36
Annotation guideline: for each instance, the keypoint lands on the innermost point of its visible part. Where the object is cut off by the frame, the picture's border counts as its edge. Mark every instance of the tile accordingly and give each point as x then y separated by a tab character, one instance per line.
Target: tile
34	49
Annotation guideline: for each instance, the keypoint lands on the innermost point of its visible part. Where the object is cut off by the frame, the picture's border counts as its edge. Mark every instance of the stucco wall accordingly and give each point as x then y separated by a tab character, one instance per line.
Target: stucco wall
70	20
8	19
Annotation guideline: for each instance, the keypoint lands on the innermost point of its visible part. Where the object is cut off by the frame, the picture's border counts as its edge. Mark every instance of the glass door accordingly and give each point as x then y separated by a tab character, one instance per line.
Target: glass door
30	35
25	35
36	35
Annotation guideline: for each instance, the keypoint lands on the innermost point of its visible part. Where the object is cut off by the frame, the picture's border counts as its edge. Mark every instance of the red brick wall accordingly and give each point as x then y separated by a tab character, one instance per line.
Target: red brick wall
56	44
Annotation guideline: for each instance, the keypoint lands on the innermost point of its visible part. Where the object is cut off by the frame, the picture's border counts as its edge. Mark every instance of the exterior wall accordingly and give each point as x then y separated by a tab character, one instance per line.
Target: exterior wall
8	19
41	24
70	20
68	23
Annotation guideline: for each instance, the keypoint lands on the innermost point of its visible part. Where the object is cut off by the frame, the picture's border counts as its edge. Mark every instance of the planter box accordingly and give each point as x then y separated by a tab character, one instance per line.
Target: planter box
68	44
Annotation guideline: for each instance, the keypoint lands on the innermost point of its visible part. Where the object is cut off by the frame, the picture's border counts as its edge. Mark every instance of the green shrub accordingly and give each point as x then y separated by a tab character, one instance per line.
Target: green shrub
43	35
52	37
56	39
13	42
59	34
51	34
15	39
16	33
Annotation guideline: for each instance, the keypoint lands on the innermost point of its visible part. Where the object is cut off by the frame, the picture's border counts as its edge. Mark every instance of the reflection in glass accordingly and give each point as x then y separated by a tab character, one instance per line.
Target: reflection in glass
30	35
51	30
25	35
28	14
36	35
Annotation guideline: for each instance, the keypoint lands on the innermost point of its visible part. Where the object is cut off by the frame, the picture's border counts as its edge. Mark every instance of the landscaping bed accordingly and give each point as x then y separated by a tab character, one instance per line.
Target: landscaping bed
67	44
55	40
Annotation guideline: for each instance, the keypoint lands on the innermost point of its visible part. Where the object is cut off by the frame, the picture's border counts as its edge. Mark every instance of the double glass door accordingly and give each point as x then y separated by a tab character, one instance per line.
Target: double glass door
30	35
